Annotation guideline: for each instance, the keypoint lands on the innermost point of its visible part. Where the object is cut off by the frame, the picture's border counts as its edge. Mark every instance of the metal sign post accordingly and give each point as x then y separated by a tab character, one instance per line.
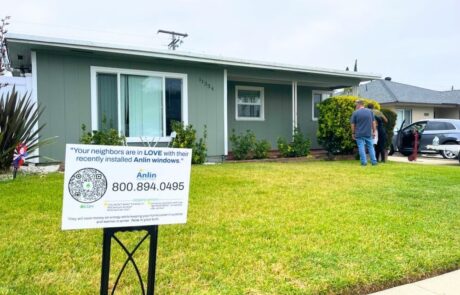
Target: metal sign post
109	234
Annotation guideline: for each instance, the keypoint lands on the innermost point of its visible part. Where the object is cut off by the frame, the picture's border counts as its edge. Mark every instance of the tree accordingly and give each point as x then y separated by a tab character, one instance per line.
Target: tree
356	65
4	62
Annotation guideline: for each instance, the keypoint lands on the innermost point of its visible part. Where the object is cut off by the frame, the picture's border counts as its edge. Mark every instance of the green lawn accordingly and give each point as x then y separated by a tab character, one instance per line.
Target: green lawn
268	228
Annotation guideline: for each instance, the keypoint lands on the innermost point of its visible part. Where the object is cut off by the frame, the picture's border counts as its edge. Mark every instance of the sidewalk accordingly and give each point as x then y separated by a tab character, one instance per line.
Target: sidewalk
446	284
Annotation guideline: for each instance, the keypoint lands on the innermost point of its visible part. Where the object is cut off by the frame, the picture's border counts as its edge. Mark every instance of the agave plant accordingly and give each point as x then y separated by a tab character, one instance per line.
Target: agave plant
18	121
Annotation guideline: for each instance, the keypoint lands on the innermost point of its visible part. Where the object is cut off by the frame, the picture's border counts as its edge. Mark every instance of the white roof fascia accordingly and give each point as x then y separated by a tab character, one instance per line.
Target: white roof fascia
183	56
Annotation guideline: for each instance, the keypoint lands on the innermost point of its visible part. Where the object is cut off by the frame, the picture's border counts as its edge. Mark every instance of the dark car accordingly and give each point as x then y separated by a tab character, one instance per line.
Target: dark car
447	131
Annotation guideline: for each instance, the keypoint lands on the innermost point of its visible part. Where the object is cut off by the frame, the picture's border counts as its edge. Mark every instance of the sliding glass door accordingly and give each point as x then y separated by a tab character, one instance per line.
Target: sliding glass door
138	105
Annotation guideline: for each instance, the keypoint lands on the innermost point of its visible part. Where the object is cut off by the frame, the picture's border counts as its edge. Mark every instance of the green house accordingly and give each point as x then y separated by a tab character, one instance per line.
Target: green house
140	91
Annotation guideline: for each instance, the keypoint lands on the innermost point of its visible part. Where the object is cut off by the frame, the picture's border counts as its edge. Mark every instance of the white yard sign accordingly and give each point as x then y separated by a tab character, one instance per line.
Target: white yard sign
118	186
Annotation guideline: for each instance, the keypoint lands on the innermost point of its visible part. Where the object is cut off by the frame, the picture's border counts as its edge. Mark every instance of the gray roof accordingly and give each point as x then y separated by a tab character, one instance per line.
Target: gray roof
35	41
385	91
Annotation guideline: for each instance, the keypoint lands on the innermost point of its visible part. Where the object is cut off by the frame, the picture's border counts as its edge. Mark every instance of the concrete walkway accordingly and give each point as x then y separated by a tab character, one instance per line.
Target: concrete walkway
428	160
446	284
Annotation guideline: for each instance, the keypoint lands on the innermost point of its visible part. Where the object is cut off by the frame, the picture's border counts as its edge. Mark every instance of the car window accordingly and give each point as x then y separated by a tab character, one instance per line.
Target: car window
450	126
434	125
419	126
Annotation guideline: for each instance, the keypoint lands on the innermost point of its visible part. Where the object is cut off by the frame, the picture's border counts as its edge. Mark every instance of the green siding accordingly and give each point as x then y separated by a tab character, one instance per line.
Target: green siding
278	113
64	88
305	122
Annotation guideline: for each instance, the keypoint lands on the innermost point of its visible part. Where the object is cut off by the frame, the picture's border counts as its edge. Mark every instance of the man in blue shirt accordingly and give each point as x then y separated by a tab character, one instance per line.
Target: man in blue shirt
363	131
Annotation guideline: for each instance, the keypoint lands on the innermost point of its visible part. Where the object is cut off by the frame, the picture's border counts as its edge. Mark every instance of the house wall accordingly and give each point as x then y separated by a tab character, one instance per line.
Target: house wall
64	87
418	112
422	113
277	113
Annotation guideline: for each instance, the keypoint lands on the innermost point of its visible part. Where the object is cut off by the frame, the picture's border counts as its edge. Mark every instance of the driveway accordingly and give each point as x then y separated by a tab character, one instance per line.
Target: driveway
425	159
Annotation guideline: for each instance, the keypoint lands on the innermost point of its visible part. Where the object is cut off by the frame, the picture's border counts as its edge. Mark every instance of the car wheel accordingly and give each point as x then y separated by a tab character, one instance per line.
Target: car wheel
392	150
448	154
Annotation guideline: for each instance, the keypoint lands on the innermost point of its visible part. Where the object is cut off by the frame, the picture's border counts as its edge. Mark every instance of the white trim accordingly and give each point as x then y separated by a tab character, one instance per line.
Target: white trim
120	115
34	98
322	93
94	108
163	105
294	105
225	114
184	56
262	104
185	100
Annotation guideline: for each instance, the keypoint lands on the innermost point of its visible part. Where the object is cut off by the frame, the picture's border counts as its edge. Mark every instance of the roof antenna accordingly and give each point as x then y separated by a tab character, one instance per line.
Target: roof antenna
176	38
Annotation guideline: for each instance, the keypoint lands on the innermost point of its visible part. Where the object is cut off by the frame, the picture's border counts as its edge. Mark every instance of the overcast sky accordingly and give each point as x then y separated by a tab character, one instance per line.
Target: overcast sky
414	42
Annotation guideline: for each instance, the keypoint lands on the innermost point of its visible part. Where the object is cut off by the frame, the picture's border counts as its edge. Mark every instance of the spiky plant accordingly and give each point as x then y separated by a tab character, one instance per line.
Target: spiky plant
18	118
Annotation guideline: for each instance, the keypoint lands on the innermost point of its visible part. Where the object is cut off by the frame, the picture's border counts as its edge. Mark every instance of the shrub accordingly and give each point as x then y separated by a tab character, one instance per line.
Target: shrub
334	129
390	125
104	136
299	147
18	118
186	138
261	149
200	149
242	144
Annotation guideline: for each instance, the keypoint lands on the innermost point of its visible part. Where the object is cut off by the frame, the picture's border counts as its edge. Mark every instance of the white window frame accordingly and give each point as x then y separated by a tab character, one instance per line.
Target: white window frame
262	104
323	97
120	71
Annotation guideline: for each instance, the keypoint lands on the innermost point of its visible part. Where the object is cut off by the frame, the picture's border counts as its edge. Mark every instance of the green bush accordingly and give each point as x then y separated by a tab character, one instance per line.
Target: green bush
246	146
261	149
334	129
299	147
390	125
200	150
18	118
186	138
242	144
104	136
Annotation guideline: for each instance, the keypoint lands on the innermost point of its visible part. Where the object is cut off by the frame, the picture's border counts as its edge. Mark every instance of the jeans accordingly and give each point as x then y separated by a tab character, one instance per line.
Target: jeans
361	141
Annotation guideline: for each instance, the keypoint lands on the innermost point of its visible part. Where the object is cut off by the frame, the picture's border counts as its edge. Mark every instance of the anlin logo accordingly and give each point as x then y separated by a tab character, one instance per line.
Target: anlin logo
146	175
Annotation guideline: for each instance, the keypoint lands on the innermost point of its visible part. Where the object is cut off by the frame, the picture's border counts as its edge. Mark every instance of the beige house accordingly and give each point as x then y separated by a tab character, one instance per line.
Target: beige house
412	103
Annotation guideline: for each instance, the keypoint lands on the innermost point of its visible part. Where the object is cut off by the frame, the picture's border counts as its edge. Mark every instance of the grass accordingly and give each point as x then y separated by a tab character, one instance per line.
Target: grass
268	228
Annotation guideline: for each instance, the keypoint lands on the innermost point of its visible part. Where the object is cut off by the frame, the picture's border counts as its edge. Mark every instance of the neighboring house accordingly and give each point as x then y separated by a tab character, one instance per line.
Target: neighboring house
412	103
23	85
141	91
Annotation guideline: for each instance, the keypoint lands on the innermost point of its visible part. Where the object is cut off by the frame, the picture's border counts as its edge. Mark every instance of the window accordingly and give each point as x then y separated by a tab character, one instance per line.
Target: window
317	97
403	115
249	103
137	103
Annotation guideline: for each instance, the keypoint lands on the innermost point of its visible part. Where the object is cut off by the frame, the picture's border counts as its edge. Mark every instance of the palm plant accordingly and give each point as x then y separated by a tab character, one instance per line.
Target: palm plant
18	121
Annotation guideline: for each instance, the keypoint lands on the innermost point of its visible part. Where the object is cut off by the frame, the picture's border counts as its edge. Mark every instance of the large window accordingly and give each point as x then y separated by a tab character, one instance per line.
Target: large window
139	104
249	103
317	97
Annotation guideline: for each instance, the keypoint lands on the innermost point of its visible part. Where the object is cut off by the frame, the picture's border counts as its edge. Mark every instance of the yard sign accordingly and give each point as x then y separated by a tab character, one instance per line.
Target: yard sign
121	186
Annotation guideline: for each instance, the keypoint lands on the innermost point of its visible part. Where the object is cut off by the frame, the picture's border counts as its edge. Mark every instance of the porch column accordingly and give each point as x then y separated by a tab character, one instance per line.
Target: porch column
294	105
34	99
225	115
